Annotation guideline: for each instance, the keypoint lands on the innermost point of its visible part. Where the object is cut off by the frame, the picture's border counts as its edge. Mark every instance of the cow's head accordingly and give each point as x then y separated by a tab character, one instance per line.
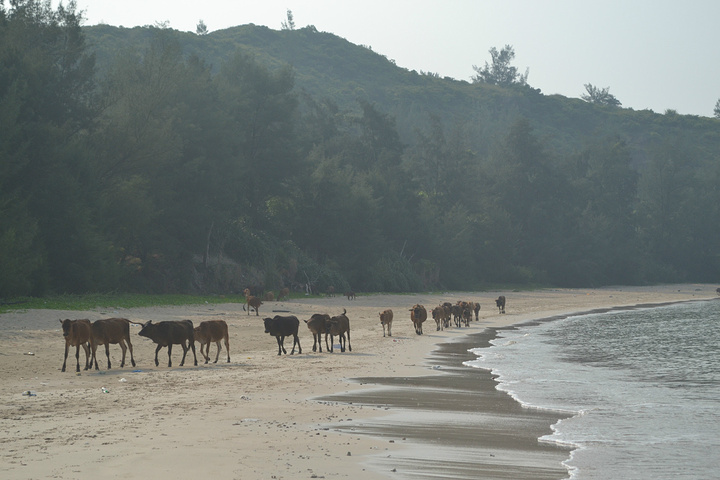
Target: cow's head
146	329
268	324
66	324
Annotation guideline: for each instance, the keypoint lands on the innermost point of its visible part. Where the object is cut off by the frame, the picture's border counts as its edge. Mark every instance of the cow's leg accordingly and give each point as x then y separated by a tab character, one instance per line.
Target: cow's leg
227	346
123	347
280	345
130	347
348	340
315	337
88	362
107	353
389	329
191	346
332	343
185	349
93	349
156	355
67	347
296	339
326	344
219	346
77	357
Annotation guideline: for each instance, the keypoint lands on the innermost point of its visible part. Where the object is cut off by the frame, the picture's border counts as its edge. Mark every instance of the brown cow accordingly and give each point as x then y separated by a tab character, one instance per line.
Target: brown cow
253	303
77	334
317	325
438	314
107	331
212	331
457	314
330	292
283	293
418	315
350	295
386	318
269	297
339	325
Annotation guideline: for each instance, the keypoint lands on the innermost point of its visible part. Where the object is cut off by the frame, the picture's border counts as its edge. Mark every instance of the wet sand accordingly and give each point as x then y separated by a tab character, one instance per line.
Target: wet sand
454	424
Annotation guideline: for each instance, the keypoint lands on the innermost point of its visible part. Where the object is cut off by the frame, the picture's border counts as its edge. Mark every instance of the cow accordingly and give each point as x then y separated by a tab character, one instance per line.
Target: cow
283	294
330	292
111	330
350	295
339	325
212	331
500	302
467	316
281	327
168	333
447	309
316	324
77	334
253	303
456	311
476	309
269	297
438	314
418	315
386	317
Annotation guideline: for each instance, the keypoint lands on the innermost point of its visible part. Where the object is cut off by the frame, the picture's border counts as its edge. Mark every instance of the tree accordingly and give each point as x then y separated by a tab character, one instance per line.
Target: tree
716	112
289	24
500	72
600	96
201	28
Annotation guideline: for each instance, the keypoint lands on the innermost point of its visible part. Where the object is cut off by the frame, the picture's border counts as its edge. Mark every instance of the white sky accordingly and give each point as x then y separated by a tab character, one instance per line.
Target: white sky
653	54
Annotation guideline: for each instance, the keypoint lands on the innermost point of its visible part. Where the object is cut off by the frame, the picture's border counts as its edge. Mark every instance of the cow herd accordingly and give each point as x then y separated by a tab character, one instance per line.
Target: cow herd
90	335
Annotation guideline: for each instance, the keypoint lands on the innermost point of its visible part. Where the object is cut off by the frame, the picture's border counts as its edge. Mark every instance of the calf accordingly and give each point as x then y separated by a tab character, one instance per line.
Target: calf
316	324
77	334
107	331
253	303
339	325
169	333
418	315
281	327
212	331
386	320
283	293
500	303
350	295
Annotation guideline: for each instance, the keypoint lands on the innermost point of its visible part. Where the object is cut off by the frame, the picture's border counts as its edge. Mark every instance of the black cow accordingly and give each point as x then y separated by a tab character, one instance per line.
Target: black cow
169	333
500	302
283	326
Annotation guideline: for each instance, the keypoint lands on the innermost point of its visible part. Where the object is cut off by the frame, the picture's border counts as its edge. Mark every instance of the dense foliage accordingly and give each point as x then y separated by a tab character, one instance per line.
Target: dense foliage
149	160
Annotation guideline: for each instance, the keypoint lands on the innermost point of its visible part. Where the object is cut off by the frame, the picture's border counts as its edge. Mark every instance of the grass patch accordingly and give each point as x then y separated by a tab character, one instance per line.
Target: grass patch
120	300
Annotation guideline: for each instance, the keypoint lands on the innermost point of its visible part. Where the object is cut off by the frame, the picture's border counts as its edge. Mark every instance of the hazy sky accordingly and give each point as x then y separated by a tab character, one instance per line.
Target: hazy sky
653	54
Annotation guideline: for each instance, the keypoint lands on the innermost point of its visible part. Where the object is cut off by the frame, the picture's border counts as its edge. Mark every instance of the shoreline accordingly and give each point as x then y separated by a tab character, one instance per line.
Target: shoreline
255	417
425	452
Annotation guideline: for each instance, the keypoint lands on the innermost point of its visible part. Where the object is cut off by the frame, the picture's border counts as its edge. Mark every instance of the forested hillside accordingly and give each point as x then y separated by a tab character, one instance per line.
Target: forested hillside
153	160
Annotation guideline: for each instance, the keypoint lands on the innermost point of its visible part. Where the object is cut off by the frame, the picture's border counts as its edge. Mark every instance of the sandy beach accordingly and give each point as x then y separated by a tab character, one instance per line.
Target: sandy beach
264	416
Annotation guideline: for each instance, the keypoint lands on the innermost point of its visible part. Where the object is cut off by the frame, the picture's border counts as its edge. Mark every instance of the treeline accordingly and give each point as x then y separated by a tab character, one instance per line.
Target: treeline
164	174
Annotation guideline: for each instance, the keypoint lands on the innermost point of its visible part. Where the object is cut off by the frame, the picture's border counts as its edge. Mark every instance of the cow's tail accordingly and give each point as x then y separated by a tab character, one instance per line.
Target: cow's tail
244	308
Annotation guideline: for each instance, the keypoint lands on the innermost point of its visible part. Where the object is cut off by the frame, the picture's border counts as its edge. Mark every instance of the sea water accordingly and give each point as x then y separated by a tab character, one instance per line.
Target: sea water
641	388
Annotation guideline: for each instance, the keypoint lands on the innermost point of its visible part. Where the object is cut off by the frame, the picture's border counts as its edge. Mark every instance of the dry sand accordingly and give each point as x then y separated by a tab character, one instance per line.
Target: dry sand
260	416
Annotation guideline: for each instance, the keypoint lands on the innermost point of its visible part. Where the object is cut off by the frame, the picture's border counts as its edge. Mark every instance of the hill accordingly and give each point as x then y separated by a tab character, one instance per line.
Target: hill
326	65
